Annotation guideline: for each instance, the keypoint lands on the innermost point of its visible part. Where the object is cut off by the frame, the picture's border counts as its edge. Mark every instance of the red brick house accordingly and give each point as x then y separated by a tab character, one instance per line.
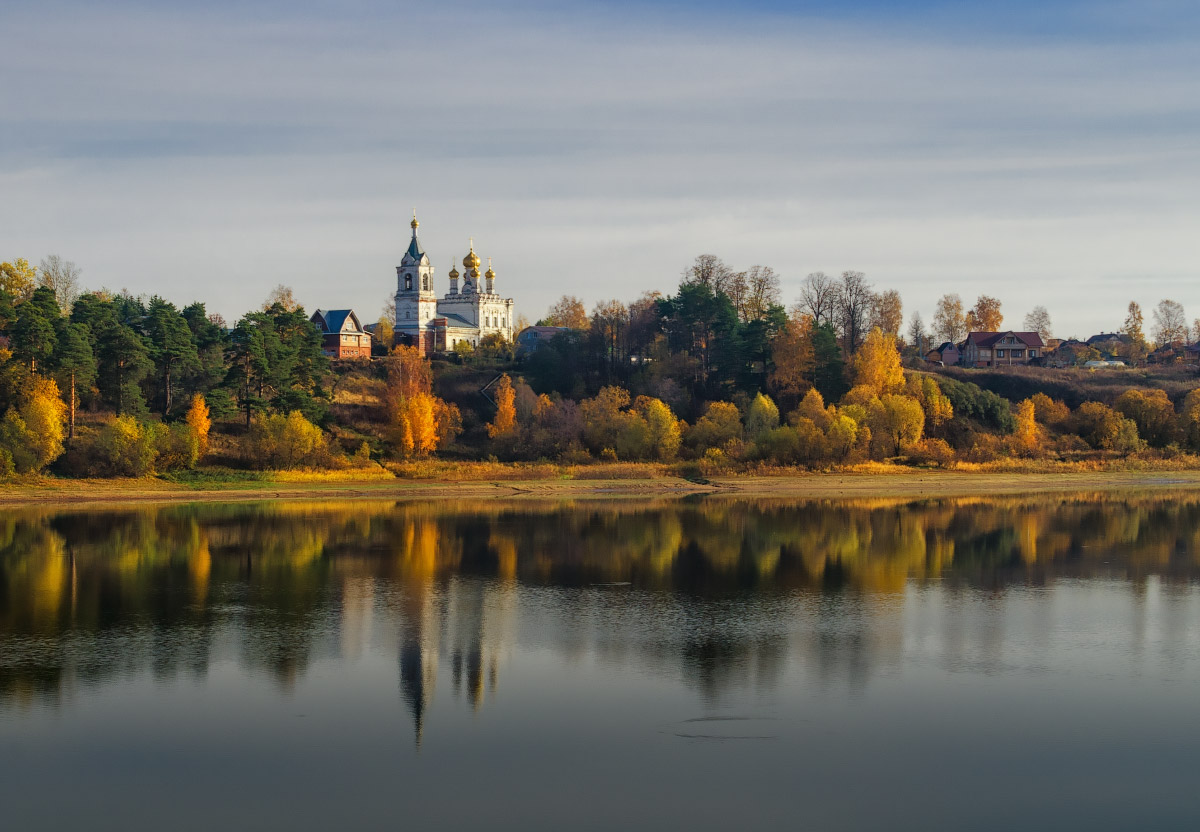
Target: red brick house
1001	349
342	334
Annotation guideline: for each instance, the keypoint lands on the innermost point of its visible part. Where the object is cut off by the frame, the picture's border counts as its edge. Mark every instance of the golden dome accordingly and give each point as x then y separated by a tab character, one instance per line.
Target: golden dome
414	222
489	274
471	261
453	272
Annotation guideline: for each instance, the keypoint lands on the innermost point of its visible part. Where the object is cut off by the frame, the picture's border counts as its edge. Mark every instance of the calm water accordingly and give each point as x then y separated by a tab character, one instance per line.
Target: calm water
711	664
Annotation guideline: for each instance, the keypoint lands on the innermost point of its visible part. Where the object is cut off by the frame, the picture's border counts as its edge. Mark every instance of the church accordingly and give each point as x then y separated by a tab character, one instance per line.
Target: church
434	324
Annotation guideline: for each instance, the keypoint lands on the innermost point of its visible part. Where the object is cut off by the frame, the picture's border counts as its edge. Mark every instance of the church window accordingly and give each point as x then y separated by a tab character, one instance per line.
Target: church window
425	283
408	282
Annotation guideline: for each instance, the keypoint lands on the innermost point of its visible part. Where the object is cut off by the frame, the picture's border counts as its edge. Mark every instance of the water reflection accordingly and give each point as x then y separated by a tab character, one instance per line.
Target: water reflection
721	593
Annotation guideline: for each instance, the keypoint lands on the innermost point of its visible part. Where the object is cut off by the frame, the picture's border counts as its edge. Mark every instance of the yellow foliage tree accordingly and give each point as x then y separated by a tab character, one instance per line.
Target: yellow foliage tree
762	416
415	429
505	422
877	364
1027	435
18	278
665	434
896	422
31	435
792	358
199	423
719	424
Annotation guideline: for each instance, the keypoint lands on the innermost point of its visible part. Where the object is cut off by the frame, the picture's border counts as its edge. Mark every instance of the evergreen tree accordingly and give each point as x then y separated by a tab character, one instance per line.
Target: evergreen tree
75	366
172	348
33	335
829	373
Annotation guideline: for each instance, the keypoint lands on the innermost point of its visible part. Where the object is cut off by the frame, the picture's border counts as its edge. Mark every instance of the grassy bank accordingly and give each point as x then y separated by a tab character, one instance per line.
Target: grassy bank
486	480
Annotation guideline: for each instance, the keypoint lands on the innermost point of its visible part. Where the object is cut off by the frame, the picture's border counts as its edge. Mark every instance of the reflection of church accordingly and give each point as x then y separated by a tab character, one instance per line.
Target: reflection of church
435	324
469	620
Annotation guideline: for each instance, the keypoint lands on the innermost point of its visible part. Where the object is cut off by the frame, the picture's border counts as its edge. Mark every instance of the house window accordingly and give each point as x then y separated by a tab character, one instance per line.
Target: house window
999	353
1018	353
1033	353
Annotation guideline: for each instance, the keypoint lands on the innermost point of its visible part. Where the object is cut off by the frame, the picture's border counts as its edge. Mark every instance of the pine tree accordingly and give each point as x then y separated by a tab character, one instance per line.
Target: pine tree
75	366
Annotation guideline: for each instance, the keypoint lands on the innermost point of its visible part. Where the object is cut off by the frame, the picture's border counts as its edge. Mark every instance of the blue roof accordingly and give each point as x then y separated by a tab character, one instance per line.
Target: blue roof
335	319
414	249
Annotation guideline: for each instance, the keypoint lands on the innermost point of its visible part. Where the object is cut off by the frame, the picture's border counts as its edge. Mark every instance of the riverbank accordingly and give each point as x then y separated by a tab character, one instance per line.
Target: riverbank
898	482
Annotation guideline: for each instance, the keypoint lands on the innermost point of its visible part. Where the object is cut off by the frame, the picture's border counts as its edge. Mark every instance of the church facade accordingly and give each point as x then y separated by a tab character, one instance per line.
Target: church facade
438	324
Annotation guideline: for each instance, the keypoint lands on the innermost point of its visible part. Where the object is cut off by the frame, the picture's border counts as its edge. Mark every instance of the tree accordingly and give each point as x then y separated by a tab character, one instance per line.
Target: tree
792	358
567	311
1027	435
33	335
1038	320
897	421
949	322
818	298
918	338
415	425
855	301
284	297
709	271
384	335
1105	429
62	278
663	427
75	365
1136	349
887	313
31	434
761	293
18	278
504	424
1153	414
985	315
829	372
762	416
719	424
1170	324
172	348
877	365
199	423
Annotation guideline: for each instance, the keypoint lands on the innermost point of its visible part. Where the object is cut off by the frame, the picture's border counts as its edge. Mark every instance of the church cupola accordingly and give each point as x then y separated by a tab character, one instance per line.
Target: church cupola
491	278
453	280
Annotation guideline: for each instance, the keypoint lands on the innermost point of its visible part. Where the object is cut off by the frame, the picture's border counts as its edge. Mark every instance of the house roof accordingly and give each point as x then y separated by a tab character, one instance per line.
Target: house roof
947	345
1108	336
334	320
987	339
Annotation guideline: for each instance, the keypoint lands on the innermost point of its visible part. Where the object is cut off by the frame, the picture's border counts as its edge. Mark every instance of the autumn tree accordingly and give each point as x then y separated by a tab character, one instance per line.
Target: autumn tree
709	271
818	298
985	315
896	422
949	322
664	429
31	433
792	358
1136	348
567	311
855	301
1038	320
61	277
504	424
719	424
761	416
877	364
18	278
1027	434
284	296
887	313
1170	323
1153	414
918	337
198	422
759	291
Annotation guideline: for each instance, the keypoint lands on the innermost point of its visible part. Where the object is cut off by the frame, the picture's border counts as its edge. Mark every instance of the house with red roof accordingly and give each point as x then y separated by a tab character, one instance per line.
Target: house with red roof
1001	349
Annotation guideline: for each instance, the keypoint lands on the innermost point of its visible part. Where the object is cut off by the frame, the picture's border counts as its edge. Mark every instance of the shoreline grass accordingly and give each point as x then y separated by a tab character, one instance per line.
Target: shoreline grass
438	480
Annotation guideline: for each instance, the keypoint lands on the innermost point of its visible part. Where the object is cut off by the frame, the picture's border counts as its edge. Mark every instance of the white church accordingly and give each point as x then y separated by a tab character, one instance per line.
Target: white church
434	324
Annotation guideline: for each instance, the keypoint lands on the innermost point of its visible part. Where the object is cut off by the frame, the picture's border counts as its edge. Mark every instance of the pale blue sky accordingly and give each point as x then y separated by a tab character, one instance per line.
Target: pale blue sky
1043	153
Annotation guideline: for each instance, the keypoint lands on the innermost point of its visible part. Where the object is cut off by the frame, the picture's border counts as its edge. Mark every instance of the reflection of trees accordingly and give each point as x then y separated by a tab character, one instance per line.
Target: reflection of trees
89	595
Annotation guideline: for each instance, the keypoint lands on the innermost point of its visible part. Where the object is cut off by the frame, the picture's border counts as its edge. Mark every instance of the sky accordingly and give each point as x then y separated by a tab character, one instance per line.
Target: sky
1040	152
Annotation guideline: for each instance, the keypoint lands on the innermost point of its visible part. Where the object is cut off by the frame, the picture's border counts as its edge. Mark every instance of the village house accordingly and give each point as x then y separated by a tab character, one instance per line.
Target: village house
947	354
342	334
1001	349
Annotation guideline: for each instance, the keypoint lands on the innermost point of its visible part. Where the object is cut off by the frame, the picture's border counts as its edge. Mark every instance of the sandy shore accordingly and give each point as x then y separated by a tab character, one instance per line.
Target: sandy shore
913	484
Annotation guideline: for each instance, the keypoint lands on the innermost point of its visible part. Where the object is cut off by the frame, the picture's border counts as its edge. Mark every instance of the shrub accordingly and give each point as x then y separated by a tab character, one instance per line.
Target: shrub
31	434
935	452
289	441
125	448
719	424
